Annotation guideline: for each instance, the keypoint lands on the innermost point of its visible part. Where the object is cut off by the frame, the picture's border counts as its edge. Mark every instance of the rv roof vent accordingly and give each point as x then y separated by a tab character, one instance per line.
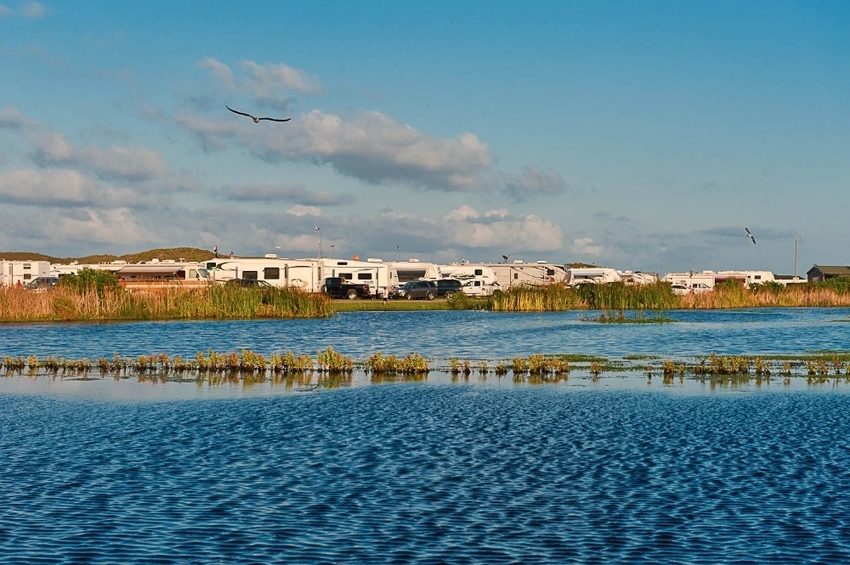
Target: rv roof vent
270	256
154	260
169	261
374	260
413	260
517	261
541	262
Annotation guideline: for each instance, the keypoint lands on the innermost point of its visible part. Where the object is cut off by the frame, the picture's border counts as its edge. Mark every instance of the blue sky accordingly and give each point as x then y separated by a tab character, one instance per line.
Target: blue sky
637	135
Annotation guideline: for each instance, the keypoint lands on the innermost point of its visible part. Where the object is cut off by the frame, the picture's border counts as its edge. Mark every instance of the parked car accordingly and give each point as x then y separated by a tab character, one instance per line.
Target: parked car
338	287
418	289
247	283
446	288
40	283
697	288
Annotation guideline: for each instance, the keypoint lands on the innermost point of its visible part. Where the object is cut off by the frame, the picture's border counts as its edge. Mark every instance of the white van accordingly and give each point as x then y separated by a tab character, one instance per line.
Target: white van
479	287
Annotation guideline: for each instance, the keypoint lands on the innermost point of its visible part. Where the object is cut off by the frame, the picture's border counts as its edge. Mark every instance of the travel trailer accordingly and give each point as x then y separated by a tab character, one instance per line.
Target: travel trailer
748	278
19	273
305	274
414	270
466	271
518	273
374	272
144	277
637	277
593	275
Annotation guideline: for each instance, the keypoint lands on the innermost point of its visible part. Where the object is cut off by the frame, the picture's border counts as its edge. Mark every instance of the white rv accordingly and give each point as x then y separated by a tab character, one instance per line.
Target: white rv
467	271
414	270
305	274
593	275
637	277
518	273
749	278
373	272
19	273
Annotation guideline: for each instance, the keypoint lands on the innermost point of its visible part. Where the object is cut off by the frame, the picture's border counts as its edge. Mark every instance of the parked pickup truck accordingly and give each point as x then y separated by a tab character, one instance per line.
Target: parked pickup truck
337	287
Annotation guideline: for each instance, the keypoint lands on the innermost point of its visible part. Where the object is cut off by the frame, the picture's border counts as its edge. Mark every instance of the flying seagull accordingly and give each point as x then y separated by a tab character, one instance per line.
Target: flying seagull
256	119
750	235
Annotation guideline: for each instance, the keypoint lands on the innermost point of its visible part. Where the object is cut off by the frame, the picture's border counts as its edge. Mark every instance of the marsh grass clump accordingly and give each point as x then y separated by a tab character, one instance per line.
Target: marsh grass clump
330	361
546	298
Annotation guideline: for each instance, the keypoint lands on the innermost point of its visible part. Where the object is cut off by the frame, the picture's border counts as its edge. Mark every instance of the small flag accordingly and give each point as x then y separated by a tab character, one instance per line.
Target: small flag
316	228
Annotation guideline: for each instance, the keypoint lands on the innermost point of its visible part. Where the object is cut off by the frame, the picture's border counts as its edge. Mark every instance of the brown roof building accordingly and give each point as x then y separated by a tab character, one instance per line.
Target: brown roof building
820	273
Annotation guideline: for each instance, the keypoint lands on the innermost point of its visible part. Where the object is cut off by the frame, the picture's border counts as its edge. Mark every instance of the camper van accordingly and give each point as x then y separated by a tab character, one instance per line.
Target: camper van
478	287
466	271
690	280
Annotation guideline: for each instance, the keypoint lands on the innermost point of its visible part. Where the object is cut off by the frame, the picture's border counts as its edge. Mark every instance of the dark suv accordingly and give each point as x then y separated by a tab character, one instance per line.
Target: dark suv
446	288
418	289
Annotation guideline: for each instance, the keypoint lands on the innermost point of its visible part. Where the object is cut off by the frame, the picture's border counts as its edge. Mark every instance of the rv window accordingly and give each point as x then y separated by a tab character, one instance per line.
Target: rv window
550	272
193	274
516	276
478	272
364	276
211	265
27	276
27	266
758	277
271	273
249	275
346	276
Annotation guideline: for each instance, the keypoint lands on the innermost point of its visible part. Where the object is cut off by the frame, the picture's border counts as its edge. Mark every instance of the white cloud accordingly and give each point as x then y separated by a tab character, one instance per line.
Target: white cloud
271	79
32	9
465	227
304	211
132	162
11	118
6	11
371	147
62	187
532	182
296	193
585	246
219	70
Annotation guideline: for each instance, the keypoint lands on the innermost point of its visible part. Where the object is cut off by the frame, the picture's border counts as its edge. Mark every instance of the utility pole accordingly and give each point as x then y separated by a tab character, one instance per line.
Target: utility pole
796	239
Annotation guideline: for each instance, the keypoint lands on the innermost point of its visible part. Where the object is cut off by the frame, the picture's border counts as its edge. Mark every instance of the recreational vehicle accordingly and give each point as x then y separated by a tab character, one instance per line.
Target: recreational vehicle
414	270
19	273
373	272
467	271
144	277
593	275
518	273
304	274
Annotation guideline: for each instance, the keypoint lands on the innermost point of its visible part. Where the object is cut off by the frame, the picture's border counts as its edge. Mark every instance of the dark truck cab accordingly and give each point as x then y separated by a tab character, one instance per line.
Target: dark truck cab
337	287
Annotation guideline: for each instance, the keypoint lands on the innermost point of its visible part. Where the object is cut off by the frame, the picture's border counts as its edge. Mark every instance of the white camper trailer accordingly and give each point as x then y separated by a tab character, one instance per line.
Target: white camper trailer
373	272
518	273
305	274
153	276
593	275
691	280
414	270
467	271
19	273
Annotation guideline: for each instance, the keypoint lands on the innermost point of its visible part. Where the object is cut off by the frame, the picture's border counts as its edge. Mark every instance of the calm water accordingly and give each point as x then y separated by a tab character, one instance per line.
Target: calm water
618	471
474	335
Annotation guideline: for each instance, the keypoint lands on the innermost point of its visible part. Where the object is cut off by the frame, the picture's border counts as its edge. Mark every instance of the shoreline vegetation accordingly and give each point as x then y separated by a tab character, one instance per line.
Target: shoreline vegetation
97	297
335	369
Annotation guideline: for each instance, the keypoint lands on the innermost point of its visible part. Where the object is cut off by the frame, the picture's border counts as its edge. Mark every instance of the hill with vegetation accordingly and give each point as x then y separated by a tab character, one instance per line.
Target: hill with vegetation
176	253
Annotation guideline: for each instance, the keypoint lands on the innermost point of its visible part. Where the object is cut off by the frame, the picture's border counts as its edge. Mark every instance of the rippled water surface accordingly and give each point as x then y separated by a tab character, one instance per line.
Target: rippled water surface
413	473
441	471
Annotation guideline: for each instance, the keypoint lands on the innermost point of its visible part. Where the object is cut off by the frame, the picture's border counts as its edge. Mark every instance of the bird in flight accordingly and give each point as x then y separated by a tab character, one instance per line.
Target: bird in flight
256	119
750	235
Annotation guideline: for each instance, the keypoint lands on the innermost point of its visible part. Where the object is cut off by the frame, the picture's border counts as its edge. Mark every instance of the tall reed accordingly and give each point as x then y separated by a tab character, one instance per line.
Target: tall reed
224	302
